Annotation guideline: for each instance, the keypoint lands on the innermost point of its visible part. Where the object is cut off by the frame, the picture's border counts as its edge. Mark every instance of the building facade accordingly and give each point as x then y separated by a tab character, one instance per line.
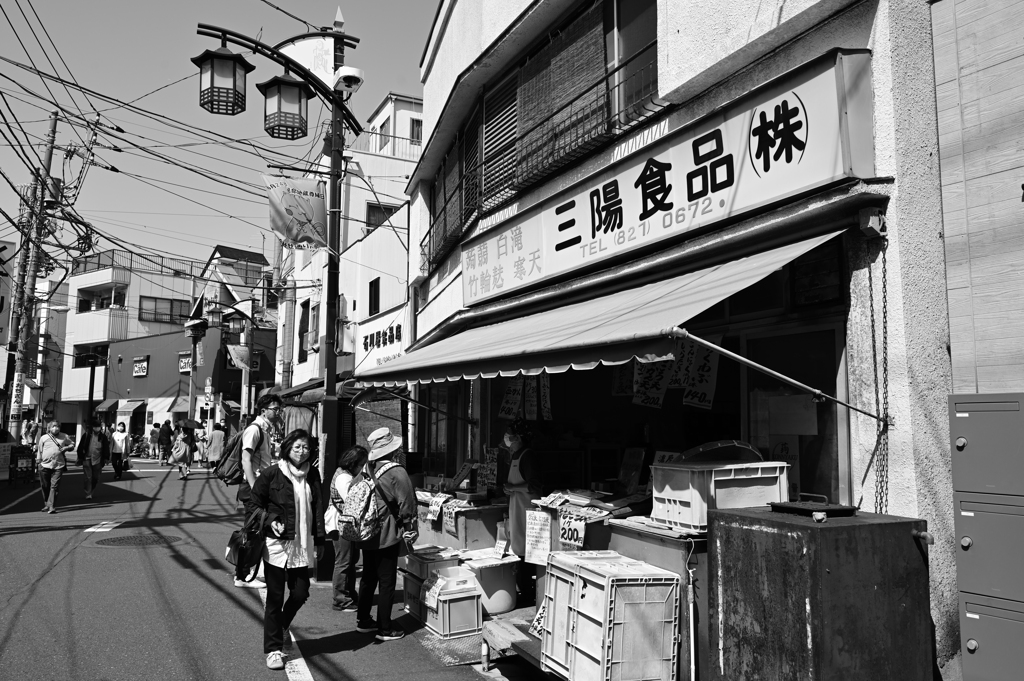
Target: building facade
597	176
374	253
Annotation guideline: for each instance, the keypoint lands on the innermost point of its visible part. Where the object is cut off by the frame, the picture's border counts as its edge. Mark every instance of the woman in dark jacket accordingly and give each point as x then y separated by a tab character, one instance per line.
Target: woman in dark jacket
289	492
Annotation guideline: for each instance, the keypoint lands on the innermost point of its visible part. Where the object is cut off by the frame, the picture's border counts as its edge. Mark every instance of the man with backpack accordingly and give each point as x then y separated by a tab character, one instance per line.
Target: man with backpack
257	454
394	491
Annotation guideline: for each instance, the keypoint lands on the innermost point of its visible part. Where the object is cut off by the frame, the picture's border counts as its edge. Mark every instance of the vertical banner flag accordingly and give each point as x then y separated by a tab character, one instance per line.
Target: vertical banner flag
298	211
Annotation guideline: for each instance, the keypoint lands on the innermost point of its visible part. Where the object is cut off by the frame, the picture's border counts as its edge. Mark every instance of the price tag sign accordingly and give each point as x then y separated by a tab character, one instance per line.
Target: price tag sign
500	548
449	520
435	505
537	626
433	591
571	529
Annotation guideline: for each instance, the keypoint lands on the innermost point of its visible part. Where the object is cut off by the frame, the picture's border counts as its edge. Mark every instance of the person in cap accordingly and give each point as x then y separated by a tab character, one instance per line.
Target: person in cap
380	552
522	486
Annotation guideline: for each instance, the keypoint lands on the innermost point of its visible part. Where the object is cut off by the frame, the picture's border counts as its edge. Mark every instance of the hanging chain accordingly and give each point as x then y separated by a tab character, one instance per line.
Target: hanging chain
882	448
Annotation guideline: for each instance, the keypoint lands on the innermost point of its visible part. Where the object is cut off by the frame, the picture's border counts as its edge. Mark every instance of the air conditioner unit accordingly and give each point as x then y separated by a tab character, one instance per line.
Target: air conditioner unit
313	341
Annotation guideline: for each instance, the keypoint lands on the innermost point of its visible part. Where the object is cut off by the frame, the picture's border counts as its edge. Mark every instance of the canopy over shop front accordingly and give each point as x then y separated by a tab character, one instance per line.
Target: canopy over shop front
130	406
640	323
168	405
106	405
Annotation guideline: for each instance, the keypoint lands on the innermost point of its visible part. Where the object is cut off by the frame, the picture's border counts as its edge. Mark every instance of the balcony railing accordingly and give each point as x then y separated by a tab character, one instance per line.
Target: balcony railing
609	108
139	263
163	317
387	145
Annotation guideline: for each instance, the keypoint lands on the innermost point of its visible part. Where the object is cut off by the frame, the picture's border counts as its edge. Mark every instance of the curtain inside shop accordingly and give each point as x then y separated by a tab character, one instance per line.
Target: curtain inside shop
296	416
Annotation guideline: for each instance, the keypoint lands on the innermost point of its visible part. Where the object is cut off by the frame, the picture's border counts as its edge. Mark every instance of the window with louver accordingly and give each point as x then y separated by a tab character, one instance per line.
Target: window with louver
499	171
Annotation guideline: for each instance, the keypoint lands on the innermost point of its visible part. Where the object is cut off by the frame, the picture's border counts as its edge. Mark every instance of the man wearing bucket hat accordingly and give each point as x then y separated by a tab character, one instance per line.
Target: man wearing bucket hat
380	552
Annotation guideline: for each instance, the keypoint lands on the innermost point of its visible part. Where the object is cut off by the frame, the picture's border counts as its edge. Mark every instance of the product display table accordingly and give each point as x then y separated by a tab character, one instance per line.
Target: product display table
474	527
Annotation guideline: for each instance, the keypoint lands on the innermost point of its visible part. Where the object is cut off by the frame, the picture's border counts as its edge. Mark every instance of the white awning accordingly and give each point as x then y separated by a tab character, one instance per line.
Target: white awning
161	405
640	323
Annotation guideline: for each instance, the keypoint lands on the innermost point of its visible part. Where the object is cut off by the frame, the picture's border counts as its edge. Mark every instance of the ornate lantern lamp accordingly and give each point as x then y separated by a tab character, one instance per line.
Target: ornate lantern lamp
222	80
287	100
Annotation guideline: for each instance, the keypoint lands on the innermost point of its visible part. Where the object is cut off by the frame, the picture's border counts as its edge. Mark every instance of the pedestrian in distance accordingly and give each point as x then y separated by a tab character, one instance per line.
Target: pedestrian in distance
120	449
165	439
184	449
289	493
201	446
51	462
380	552
346	553
257	456
93	452
154	442
215	445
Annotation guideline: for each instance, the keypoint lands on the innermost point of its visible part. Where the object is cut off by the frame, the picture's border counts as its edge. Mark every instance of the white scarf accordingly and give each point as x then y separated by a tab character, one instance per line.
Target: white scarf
303	508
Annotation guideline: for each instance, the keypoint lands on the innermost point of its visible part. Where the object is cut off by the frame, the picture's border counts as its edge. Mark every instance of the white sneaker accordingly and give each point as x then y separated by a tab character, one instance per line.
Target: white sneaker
254	584
275	660
88	496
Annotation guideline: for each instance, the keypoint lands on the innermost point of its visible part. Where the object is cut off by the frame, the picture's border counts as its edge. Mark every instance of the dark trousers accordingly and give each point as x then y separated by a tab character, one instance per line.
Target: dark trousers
49	481
278	615
118	464
346	555
380	569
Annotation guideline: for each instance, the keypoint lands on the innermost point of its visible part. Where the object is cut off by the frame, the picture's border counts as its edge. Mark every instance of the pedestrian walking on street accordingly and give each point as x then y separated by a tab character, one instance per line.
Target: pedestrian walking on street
165	439
93	452
346	553
51	462
201	446
257	455
184	449
215	445
154	442
120	449
289	493
380	552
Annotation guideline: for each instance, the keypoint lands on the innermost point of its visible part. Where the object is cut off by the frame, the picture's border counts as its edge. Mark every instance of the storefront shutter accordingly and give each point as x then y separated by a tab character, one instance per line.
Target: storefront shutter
500	143
563	99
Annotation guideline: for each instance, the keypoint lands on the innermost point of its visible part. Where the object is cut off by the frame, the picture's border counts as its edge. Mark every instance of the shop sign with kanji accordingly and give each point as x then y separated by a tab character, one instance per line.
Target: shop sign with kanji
382	338
803	132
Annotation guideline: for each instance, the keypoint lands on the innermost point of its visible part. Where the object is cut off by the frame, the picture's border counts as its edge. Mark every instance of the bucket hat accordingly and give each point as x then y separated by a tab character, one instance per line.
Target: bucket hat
382	443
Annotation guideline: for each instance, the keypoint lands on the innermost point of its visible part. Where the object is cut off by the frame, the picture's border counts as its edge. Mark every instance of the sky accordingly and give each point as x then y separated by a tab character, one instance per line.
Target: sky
127	48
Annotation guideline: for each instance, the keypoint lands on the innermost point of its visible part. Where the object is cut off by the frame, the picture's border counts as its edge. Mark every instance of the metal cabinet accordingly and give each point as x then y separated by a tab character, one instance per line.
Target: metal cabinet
991	636
987	450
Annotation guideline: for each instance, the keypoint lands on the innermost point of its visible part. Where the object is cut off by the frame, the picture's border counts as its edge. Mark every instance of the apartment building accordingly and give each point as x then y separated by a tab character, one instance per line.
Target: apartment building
42	398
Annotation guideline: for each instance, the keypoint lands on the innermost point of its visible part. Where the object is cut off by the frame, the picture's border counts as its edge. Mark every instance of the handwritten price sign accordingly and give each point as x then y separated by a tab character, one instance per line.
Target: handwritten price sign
571	530
435	505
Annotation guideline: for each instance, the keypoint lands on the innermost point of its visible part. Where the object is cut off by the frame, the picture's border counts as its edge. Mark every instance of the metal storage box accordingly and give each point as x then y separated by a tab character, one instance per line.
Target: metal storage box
611	619
794	599
459	612
684	492
991	638
412	586
990	544
422	561
985	433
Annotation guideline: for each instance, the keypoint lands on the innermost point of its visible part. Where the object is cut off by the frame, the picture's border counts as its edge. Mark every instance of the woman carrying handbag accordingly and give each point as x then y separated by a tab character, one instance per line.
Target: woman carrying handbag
288	492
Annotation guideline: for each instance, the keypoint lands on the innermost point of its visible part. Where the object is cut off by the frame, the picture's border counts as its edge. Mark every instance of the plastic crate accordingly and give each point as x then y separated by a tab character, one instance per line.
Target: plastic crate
684	492
610	620
412	586
459	611
422	562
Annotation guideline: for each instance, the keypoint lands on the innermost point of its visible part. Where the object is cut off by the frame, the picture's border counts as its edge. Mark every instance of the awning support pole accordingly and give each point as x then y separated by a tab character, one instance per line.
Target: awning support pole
427	406
817	394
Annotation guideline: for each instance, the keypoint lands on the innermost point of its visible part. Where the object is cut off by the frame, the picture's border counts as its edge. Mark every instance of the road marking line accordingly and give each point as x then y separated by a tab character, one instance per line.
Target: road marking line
295	667
105	526
18	501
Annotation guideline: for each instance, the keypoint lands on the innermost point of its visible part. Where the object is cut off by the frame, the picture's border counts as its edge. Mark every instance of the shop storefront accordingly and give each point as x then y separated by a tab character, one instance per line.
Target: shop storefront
699	289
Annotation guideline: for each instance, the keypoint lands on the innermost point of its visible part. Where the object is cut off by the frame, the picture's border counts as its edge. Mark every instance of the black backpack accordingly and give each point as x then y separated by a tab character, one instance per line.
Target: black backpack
229	468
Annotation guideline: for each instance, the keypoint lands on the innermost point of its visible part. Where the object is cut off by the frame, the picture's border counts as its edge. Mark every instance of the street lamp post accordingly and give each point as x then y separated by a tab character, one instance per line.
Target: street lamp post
282	119
195	329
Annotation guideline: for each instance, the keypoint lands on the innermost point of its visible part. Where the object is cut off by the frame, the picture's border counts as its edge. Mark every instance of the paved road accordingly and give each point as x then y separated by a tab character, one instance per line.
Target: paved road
71	608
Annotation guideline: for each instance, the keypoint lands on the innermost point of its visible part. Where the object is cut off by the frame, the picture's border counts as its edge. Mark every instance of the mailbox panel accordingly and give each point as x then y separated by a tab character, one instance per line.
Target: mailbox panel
986	442
991	636
990	550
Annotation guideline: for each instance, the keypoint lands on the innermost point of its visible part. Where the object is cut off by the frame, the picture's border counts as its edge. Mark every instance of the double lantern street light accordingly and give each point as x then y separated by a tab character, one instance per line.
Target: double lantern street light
222	75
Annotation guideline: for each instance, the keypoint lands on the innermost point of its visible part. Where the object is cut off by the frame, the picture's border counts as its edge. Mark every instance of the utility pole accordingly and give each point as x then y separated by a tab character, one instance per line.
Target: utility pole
28	294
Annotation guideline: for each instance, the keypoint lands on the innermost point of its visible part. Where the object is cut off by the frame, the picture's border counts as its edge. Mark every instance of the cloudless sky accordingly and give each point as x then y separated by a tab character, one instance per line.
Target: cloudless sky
126	48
